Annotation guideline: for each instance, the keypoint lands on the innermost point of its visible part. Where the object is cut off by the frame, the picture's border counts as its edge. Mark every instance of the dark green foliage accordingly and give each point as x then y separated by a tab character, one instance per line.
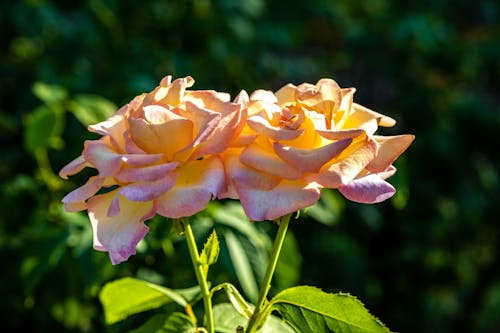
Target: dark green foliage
426	261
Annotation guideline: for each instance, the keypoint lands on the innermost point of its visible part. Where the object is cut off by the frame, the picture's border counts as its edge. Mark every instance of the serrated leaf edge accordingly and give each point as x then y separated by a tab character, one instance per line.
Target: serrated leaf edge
272	302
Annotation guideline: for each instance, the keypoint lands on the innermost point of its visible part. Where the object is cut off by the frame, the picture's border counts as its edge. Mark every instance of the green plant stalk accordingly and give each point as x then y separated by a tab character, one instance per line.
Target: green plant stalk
200	276
254	322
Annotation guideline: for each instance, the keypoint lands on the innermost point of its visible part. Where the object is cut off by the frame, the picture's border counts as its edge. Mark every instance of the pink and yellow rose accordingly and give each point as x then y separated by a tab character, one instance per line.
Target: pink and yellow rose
172	150
306	138
157	155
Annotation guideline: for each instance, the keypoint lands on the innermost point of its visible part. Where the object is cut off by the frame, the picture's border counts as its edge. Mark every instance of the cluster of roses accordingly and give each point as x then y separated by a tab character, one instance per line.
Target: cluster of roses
172	150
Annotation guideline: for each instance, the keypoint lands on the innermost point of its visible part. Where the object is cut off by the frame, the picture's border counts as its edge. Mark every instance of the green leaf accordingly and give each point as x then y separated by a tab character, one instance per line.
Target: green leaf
233	215
228	320
191	295
235	298
176	322
308	309
91	109
241	264
49	94
128	296
43	129
328	208
252	240
210	252
288	269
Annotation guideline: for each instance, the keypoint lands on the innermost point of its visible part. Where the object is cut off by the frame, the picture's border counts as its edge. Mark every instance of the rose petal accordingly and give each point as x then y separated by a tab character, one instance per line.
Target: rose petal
341	134
325	98
144	191
230	125
287	197
167	138
198	182
389	172
73	167
242	99
119	234
149	173
72	207
74	199
259	124
258	158
286	95
344	109
140	160
102	157
390	147
367	189
310	160
114	127
169	93
244	140
263	95
205	122
250	177
208	99
362	112
348	165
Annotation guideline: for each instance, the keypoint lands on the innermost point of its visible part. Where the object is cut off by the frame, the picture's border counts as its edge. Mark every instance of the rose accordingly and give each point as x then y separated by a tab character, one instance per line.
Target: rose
157	154
305	138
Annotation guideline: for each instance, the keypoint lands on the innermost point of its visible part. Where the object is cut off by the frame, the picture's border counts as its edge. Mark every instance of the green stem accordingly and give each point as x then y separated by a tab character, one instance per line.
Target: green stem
200	276
255	320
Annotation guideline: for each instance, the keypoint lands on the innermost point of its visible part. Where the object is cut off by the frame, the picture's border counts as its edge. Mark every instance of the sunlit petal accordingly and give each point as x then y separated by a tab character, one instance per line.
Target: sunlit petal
118	235
287	197
262	126
390	147
346	168
286	95
76	198
341	134
102	157
310	160
114	127
247	176
368	189
198	182
267	161
75	166
148	173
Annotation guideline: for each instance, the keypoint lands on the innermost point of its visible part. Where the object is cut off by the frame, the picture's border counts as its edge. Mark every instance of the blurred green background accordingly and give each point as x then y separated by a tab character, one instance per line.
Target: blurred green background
428	260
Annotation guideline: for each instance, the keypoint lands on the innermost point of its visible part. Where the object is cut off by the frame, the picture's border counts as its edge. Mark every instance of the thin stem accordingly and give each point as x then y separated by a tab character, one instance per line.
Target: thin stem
271	266
200	276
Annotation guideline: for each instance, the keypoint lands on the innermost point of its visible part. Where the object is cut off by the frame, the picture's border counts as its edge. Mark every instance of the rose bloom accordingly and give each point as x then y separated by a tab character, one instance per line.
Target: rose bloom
305	138
157	154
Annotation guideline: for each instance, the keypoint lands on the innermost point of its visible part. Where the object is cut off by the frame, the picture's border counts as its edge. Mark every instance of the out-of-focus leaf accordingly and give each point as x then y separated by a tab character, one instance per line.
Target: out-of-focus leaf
236	299
176	322
73	313
191	295
308	309
251	239
400	182
91	109
49	94
287	272
228	320
128	296
43	129
328	208
241	264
